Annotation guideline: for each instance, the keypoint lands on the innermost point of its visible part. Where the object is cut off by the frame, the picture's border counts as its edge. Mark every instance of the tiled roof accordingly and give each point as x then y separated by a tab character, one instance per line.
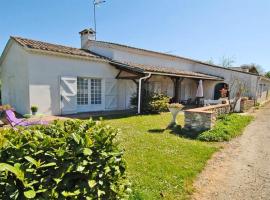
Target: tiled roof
38	45
143	68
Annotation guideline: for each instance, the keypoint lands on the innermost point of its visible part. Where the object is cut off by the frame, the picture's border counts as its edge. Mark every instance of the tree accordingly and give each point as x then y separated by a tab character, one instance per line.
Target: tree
267	74
253	68
210	61
227	61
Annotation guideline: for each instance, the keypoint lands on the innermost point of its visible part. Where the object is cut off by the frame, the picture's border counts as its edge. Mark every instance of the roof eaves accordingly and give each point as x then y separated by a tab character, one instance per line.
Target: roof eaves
4	53
126	66
186	76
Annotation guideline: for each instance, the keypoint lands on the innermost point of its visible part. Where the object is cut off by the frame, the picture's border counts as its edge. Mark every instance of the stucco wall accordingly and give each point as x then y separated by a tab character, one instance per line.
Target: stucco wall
143	57
15	79
231	77
131	56
263	91
188	87
45	72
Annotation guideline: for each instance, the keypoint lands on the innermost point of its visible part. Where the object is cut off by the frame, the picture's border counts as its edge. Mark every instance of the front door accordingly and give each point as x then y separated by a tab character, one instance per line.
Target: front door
68	92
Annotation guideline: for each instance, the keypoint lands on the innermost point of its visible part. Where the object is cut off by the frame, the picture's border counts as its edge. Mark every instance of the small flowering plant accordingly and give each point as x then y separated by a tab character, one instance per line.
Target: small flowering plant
175	105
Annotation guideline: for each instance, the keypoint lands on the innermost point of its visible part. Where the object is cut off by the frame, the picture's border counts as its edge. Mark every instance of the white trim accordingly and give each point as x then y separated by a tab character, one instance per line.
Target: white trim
185	76
139	93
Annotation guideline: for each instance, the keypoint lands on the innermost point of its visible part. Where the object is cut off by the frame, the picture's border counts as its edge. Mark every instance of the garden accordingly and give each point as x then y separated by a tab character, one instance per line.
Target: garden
120	157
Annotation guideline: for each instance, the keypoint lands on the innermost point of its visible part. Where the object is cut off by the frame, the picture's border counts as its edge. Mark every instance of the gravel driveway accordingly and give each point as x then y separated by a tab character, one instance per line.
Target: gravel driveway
242	169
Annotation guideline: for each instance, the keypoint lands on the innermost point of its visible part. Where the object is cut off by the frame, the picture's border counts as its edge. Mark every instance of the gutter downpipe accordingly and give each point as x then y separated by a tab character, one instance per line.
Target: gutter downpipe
140	92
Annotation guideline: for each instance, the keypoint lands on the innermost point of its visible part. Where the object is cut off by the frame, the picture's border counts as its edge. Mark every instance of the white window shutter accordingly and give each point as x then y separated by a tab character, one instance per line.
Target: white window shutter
68	92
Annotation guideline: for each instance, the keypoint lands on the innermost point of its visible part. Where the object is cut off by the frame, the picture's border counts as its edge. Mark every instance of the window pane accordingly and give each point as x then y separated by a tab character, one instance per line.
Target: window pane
95	91
82	91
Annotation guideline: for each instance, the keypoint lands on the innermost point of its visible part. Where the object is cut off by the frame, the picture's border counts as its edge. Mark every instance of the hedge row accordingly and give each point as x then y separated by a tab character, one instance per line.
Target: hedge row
66	160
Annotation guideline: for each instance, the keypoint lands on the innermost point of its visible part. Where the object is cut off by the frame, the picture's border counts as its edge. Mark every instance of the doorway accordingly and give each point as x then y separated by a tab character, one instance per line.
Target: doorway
218	88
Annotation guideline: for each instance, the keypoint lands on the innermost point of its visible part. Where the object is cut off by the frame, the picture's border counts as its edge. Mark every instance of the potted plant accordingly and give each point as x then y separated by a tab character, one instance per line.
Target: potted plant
174	108
34	110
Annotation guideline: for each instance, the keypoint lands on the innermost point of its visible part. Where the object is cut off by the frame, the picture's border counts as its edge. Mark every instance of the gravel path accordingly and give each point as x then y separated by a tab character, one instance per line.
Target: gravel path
242	169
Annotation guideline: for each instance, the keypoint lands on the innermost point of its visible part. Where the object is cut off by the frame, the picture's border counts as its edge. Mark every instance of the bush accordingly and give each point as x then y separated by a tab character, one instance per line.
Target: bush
66	160
34	109
151	102
227	127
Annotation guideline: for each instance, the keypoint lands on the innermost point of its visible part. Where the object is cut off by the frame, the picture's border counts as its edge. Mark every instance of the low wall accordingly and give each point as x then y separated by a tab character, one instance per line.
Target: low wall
246	105
204	118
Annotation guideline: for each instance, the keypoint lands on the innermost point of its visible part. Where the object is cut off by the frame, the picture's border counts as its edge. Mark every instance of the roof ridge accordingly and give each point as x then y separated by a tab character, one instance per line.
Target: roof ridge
34	40
56	48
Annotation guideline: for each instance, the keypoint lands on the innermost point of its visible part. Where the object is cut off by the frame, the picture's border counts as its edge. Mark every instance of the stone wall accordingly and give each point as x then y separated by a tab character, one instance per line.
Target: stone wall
204	118
246	105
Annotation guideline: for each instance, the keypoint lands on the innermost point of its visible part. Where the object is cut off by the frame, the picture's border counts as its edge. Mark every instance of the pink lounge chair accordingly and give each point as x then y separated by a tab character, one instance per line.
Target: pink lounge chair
14	121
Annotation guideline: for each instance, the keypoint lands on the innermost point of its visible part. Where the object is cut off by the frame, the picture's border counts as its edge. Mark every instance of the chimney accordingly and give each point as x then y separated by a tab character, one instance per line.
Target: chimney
86	34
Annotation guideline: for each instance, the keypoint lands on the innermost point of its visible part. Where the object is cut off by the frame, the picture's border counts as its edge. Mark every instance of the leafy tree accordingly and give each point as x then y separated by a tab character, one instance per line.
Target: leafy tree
267	74
251	66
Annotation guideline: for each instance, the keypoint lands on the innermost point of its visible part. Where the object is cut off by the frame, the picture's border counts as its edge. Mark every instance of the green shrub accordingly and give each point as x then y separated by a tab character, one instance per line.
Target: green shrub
34	109
151	102
226	128
66	160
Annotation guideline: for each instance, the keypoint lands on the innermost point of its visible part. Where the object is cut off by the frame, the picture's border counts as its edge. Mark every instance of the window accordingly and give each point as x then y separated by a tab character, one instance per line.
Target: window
95	91
82	91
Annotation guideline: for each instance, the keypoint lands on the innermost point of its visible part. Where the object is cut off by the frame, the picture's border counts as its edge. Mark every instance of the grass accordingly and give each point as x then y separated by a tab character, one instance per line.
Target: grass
226	128
160	164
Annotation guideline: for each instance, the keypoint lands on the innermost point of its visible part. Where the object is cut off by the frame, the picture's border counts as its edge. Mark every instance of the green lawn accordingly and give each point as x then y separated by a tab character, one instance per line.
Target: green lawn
160	163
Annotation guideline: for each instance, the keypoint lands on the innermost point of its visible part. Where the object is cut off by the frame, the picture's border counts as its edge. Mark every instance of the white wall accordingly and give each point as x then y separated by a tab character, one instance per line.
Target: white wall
132	56
44	74
149	58
230	76
263	91
161	84
14	77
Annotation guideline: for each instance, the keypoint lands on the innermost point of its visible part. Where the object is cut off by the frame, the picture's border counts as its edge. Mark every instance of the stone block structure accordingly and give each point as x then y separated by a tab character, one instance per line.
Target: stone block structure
246	105
204	118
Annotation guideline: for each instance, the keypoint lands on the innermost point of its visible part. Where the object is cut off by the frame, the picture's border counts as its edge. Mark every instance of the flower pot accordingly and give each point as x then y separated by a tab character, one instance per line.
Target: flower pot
174	112
34	113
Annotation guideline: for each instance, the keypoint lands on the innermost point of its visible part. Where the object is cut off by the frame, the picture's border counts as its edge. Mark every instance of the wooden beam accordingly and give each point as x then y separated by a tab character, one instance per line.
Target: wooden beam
177	81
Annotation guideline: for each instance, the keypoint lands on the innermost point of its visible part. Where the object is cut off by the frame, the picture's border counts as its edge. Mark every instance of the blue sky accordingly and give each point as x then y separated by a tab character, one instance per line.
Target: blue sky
199	29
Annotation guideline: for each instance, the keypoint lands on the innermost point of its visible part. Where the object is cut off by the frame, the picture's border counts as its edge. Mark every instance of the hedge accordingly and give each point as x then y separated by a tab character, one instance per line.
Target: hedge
226	128
66	160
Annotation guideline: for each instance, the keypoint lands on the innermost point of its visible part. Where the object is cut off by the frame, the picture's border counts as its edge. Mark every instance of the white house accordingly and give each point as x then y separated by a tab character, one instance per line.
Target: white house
103	76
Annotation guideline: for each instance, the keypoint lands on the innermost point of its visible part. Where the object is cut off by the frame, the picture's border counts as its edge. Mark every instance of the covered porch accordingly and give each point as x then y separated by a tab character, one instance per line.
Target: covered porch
180	86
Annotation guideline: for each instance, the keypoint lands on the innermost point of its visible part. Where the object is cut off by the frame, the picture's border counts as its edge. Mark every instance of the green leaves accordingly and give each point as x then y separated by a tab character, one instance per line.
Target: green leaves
87	151
30	194
76	137
92	183
66	160
15	170
33	161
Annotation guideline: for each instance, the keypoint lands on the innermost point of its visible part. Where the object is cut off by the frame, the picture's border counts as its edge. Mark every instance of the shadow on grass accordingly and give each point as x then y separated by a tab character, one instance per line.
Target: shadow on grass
157	130
182	132
178	131
120	116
